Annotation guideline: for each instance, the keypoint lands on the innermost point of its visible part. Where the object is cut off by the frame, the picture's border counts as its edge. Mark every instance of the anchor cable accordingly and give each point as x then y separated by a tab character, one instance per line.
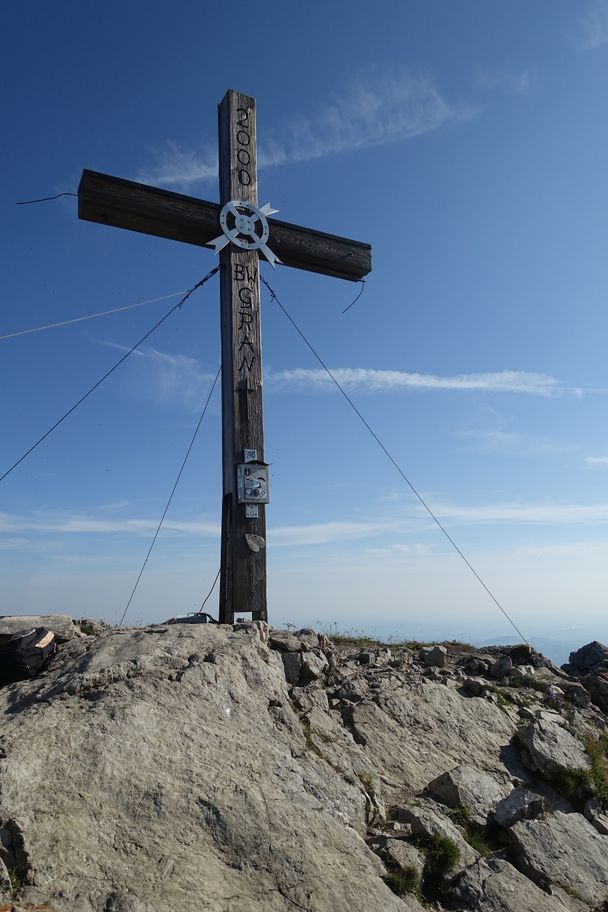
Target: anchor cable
168	504
44	199
396	465
208	596
361	290
175	307
93	316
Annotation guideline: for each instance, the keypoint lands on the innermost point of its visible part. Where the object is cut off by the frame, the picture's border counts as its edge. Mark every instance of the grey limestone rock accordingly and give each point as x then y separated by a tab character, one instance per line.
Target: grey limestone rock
520	804
189	768
565	850
414	732
492	885
367	657
551	749
283	641
62	625
5	881
554	694
151	779
405	855
596	814
475	687
426	819
588	659
476	665
576	693
292	663
433	655
313	666
522	671
597	687
470	787
306	698
398	853
502	667
521	654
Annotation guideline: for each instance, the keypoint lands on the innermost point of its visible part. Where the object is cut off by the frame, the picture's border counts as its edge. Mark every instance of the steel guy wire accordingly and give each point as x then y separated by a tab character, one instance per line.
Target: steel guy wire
175	307
93	316
396	465
361	290
208	596
44	199
168	504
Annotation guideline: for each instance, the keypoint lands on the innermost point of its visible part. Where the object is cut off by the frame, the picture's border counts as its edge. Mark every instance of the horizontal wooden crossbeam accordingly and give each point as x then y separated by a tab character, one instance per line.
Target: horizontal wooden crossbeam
127	204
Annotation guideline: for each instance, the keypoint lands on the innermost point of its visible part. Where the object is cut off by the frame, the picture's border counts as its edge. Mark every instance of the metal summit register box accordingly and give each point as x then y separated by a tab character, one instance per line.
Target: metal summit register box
252	482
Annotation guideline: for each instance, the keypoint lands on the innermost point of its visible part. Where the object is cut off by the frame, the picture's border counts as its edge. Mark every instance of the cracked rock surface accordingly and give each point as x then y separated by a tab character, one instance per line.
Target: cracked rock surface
176	768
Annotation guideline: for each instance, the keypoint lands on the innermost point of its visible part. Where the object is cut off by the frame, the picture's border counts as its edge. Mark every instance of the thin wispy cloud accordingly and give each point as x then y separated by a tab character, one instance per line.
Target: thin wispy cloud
511	82
511	443
375	111
543	513
320	533
374	381
15	528
168	378
174	379
491	432
597	460
81	524
588	549
593	31
333	532
401	550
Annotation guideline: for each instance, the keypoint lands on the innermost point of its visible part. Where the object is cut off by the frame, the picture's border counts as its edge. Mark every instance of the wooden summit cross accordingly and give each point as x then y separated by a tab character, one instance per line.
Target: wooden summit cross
242	233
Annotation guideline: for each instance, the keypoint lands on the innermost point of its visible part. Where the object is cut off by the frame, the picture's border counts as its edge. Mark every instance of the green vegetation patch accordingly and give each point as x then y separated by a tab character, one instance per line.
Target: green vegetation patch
473	834
575	784
85	628
597	751
528	681
572	783
17	879
441	857
405	881
310	744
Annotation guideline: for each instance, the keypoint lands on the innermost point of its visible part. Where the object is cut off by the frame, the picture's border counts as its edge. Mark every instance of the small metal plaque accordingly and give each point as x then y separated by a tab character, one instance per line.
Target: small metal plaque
252	511
250	455
252	483
255	543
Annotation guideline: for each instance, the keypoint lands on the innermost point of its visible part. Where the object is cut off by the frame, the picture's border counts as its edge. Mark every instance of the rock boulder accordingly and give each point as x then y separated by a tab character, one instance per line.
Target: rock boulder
469	787
588	659
551	749
565	850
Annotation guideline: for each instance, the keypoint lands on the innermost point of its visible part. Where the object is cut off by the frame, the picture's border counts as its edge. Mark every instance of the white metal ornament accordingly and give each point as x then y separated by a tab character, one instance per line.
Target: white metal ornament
243	232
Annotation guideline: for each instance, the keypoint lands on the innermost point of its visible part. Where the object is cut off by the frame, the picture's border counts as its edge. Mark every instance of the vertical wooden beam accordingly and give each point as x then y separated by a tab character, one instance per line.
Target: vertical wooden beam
243	571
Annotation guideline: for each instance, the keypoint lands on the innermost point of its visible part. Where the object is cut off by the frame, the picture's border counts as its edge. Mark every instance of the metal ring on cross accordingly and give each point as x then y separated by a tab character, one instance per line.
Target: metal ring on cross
235	223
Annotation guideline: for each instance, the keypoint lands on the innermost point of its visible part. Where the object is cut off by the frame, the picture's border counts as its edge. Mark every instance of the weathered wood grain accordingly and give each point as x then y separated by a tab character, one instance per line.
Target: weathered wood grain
150	210
243	574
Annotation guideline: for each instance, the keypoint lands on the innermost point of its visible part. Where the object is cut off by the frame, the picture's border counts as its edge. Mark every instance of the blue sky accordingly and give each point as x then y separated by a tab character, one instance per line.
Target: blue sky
467	142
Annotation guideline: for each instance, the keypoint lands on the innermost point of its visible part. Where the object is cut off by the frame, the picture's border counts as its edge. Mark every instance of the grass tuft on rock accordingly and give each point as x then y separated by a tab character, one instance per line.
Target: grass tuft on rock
577	784
441	857
528	681
572	783
17	879
474	835
597	751
405	881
